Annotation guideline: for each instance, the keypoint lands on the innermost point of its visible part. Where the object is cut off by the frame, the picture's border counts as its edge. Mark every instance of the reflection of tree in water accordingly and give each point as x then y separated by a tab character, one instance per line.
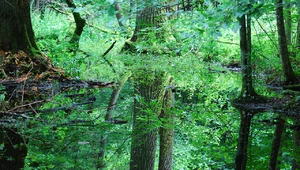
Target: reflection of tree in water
28	80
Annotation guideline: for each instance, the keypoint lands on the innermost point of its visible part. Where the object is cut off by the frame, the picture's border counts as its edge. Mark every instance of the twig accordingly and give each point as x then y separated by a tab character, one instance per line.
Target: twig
10	141
11	96
266	33
29	104
106	60
107	51
23	91
90	25
224	42
22	136
59	11
9	3
100	29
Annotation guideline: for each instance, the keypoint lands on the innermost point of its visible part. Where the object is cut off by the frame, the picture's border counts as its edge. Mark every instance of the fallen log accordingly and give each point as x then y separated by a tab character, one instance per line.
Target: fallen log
15	89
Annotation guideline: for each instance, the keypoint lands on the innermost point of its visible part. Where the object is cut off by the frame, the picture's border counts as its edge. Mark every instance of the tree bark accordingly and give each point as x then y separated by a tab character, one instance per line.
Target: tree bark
17	40
16	31
290	77
37	4
242	150
149	92
80	23
166	132
288	22
40	4
150	86
119	15
280	127
245	46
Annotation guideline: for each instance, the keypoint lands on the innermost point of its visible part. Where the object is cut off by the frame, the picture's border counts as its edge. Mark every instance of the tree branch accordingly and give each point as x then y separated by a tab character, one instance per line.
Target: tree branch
106	60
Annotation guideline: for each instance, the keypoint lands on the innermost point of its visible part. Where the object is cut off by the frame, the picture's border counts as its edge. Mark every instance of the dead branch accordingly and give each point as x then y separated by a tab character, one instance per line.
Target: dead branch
106	60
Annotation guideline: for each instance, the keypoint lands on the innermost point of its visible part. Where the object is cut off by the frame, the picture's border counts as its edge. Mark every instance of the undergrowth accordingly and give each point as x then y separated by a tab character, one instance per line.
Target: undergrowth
197	57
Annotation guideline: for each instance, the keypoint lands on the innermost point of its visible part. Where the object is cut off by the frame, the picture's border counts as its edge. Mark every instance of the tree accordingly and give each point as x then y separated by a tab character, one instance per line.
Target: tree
166	132
14	151
150	86
40	4
280	128
17	36
290	77
296	136
80	23
109	118
248	92
242	149
246	52
17	44
288	22
119	14
147	106
16	28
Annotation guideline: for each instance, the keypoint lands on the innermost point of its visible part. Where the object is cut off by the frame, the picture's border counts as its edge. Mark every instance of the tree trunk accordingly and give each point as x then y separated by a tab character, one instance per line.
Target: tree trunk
296	135
241	156
150	86
17	37
119	15
37	4
40	4
16	31
245	46
16	34
280	127
14	151
290	77
288	22
166	132
80	23
149	92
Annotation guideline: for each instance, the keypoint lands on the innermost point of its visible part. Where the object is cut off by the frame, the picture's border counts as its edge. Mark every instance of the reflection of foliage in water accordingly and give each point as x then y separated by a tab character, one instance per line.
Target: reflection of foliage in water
207	125
70	138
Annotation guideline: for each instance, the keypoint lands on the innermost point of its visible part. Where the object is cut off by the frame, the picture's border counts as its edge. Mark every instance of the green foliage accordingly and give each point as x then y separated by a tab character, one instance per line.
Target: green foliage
208	127
70	138
196	49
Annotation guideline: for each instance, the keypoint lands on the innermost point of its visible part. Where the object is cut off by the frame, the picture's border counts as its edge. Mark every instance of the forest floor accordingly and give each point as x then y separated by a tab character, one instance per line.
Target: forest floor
25	81
20	68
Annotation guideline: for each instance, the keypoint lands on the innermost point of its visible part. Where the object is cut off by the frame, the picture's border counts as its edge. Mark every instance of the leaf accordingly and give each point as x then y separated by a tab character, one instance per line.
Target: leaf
2	97
111	10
